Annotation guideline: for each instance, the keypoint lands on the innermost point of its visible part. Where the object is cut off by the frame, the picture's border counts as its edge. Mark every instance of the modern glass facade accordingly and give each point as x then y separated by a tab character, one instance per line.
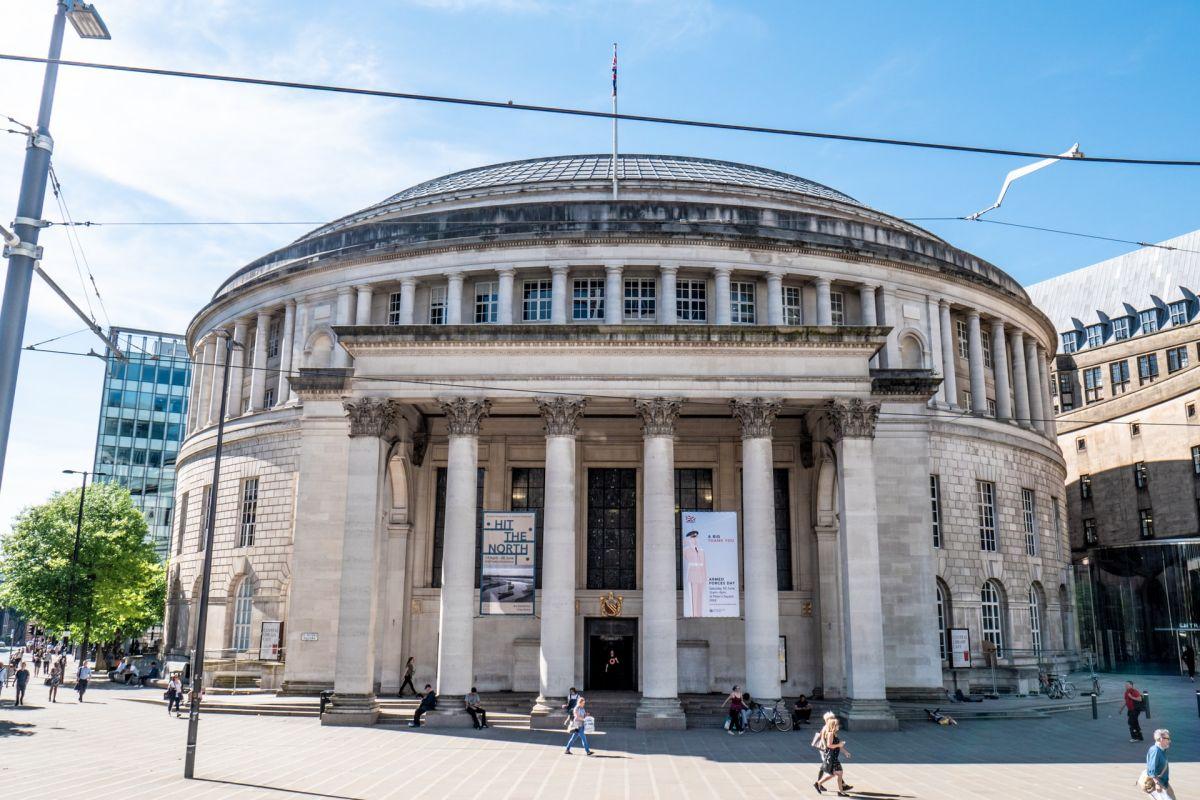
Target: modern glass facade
142	414
1139	604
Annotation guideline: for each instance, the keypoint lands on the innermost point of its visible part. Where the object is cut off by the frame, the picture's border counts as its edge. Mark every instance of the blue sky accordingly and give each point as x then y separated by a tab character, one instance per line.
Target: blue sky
1117	78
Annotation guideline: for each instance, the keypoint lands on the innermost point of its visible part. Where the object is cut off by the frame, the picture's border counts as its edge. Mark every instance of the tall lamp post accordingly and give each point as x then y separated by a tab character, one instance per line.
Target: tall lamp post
189	764
23	255
75	550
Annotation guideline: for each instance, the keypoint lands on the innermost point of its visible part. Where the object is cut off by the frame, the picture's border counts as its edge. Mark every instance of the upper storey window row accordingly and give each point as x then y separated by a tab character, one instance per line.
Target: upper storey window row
1118	329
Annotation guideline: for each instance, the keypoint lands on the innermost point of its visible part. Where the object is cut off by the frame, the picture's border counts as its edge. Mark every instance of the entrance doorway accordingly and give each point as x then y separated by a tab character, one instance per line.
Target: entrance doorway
610	653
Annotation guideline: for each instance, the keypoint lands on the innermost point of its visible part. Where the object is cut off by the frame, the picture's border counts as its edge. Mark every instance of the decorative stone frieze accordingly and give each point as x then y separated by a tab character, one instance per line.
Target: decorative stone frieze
853	418
464	414
756	415
372	416
658	415
561	414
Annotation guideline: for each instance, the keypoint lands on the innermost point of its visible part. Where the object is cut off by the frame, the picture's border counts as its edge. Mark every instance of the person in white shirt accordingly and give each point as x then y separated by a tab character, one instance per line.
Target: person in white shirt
82	677
174	693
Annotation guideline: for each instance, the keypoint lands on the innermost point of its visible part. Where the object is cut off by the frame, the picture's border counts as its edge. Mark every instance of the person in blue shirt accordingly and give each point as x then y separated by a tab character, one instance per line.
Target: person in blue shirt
1157	766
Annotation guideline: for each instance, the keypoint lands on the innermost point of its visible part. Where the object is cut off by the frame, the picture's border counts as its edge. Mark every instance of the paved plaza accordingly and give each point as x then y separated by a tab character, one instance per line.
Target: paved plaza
115	746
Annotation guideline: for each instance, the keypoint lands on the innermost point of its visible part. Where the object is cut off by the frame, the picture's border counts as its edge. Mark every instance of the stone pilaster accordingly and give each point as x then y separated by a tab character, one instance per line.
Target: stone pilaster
949	364
975	362
824	303
1020	377
1000	371
722	311
285	352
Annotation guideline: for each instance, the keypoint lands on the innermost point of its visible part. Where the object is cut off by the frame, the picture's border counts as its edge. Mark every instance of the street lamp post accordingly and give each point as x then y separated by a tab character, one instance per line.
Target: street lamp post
23	256
189	764
78	537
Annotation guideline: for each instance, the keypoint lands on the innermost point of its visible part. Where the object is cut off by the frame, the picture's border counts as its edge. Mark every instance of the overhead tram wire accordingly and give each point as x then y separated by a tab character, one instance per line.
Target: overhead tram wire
275	371
608	115
66	212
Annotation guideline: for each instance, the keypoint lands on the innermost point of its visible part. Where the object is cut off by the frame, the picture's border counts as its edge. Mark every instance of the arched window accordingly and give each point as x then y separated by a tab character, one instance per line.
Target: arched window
1035	618
912	355
991	615
943	620
243	604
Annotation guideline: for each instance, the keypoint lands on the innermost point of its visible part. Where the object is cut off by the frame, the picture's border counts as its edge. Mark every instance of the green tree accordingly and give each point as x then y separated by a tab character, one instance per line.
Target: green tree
118	588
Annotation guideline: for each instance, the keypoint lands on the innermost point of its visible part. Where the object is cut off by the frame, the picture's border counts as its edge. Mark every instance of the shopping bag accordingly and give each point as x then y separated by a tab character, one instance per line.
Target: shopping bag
590	725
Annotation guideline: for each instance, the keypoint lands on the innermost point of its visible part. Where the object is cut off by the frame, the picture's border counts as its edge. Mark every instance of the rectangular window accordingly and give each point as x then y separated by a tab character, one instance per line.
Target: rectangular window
1195	463
536	299
269	397
611	528
1135	429
249	512
1029	517
987	515
183	509
1093	384
1095	335
1118	371
1177	359
1147	367
439	523
1085	487
587	299
529	494
783	532
1070	342
1148	320
206	500
693	492
1090	538
487	302
640	299
1120	327
837	307
1141	477
985	339
1178	312
966	398
1190	410
437	305
1066	390
393	317
935	507
991	407
691	301
964	341
792	306
741	302
1146	523
273	339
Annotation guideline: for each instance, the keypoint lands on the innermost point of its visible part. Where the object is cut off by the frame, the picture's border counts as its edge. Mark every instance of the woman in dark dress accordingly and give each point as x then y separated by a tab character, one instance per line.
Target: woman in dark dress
832	749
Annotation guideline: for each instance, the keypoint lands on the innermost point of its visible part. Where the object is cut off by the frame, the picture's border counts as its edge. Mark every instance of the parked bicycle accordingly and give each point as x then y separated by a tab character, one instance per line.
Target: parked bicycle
778	715
1056	688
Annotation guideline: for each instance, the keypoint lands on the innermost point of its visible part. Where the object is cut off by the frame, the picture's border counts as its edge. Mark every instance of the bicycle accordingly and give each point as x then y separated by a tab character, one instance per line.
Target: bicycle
778	716
1058	689
1096	688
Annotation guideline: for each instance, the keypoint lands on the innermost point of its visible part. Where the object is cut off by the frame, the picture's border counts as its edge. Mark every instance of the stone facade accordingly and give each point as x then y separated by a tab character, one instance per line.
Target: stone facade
806	370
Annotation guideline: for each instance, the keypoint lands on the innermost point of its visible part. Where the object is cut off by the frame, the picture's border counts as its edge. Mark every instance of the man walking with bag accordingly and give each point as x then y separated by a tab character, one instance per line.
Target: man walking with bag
1131	701
1158	770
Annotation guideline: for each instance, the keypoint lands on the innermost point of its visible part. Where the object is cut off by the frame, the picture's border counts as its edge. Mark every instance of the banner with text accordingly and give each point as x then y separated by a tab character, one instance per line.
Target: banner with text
710	563
507	562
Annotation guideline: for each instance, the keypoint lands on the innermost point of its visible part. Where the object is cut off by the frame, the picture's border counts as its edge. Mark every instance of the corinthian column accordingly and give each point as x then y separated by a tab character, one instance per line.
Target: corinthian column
852	426
757	418
371	423
557	600
659	708
456	651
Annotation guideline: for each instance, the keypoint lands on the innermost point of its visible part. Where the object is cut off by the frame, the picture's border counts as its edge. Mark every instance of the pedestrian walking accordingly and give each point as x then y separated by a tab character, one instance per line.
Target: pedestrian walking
578	728
572	699
37	662
734	694
46	656
1158	770
1133	704
428	703
81	679
3	676
1189	661
408	676
475	709
55	682
22	683
736	708
832	750
174	694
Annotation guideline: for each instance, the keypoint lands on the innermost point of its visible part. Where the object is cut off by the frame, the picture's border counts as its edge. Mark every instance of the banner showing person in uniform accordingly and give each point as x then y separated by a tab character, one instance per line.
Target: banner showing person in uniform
710	564
507	562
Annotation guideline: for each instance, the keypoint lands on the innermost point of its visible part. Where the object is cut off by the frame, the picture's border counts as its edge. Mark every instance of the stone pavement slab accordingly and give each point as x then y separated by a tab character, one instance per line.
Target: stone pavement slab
112	747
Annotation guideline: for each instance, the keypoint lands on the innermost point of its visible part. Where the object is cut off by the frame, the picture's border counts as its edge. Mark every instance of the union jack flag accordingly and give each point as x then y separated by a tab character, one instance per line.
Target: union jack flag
614	70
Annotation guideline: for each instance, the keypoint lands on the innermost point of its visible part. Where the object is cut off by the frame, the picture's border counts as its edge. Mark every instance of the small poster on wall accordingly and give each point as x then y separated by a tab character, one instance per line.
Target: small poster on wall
960	648
710	563
270	646
507	562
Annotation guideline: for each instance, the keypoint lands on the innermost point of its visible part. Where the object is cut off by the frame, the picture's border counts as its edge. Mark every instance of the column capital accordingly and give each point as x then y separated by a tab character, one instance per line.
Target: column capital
997	325
289	304
722	269
668	268
371	416
867	286
561	414
852	419
973	313
658	415
774	277
1017	335
464	414
264	314
756	415
455	277
506	272
614	268
344	291
821	280
560	268
243	322
943	303
408	281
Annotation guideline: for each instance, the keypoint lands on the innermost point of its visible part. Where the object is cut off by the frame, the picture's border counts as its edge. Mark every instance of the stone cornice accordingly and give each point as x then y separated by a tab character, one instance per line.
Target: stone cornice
916	383
322	382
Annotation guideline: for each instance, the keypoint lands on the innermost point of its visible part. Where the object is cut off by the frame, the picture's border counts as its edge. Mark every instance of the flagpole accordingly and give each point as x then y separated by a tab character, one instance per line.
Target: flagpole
614	122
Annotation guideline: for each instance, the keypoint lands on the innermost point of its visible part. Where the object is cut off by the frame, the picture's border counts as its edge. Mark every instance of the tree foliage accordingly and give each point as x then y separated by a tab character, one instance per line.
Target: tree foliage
119	583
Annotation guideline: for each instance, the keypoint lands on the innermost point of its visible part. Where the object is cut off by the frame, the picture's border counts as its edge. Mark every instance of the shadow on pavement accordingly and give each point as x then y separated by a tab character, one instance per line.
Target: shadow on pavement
276	789
9	728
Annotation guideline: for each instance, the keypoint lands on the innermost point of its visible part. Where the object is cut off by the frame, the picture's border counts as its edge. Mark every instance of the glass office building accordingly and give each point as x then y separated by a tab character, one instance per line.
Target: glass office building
1139	604
142	414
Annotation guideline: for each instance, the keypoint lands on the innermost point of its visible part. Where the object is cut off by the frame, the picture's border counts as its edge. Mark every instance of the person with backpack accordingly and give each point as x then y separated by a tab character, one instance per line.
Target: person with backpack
1132	703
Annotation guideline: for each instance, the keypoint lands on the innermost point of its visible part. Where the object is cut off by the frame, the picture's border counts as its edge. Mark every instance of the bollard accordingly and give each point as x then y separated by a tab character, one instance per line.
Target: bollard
1198	702
1146	703
1095	708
